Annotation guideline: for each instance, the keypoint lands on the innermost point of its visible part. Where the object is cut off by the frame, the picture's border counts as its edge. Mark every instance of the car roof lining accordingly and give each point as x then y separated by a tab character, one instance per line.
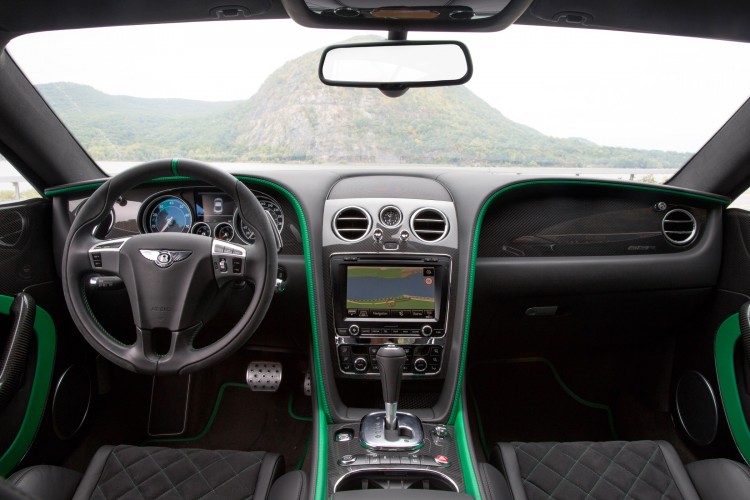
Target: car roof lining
720	19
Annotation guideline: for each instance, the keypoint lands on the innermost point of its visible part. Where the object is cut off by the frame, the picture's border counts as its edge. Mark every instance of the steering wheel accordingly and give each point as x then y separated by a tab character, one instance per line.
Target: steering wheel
173	280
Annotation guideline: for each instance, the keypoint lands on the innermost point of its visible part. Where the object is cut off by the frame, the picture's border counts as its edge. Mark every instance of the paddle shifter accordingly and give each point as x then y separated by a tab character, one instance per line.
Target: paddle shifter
391	430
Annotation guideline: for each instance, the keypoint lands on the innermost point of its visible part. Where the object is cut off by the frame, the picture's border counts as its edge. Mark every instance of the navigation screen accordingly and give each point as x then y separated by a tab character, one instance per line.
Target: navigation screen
390	292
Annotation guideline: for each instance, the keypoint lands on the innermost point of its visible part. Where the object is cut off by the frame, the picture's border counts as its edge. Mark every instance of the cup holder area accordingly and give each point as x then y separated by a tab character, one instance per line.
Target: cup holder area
395	480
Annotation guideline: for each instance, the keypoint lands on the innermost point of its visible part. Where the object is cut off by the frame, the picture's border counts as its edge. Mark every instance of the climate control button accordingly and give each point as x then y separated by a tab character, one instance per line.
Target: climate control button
360	364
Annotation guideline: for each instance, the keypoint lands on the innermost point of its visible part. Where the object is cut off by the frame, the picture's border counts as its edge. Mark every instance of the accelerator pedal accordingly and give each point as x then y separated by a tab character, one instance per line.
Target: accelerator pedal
264	376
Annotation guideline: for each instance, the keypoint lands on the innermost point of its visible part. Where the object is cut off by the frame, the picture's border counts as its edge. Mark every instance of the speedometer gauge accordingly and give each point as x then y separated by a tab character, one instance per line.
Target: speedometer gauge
170	215
272	207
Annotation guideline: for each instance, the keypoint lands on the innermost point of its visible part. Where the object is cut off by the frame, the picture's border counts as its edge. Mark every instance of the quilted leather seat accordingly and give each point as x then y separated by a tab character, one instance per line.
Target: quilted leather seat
131	472
614	470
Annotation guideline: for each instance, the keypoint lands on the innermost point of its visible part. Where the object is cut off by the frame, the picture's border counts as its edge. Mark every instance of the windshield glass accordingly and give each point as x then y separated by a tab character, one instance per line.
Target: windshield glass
595	103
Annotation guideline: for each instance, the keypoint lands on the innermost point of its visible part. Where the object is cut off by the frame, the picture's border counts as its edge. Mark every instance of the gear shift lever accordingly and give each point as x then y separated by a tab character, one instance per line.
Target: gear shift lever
391	359
390	430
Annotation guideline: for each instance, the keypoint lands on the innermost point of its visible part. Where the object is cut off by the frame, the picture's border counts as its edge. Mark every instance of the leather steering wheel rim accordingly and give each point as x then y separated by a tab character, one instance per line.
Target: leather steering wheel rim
182	283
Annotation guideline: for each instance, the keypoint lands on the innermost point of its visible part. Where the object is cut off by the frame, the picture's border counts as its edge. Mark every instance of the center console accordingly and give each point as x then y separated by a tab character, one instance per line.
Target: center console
390	258
401	298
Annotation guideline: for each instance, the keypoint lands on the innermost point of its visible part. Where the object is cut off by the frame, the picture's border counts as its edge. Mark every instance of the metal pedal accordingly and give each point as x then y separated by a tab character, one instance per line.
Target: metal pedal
307	385
264	376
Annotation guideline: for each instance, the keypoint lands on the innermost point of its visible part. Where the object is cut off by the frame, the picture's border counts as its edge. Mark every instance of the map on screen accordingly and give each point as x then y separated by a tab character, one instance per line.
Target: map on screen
390	291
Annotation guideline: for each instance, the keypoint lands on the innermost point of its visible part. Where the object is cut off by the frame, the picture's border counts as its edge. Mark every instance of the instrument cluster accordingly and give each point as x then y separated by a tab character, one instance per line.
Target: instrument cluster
206	213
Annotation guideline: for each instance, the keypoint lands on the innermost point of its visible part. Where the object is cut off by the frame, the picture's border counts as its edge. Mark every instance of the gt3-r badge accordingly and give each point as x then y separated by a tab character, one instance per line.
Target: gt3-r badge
165	258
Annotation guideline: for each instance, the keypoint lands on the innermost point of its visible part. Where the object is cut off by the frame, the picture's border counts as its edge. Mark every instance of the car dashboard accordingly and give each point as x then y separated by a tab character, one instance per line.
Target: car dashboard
430	260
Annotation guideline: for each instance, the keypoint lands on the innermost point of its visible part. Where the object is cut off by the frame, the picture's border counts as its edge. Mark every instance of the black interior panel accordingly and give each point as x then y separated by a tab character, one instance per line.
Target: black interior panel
25	243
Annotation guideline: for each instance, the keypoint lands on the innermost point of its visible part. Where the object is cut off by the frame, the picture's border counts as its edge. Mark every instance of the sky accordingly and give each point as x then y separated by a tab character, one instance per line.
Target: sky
615	89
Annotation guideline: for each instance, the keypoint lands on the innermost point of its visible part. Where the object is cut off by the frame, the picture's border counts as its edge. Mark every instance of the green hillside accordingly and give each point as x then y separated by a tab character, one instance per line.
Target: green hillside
295	118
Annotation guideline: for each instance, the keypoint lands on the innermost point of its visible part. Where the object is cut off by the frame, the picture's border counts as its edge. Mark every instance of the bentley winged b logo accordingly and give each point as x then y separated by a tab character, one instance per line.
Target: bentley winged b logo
165	258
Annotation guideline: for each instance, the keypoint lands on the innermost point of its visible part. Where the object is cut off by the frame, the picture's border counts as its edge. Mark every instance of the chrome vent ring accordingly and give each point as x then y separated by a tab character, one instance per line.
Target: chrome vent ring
429	225
351	223
679	227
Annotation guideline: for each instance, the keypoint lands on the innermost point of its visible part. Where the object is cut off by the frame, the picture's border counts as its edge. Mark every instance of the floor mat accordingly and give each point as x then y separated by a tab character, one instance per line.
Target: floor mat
526	400
246	420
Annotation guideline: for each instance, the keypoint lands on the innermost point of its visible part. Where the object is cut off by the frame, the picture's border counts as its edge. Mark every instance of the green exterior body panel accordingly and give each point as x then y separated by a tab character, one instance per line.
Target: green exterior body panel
724	345
46	341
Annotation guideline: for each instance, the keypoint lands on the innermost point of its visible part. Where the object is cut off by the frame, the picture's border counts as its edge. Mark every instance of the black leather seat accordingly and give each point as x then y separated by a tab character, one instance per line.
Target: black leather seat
638	470
132	472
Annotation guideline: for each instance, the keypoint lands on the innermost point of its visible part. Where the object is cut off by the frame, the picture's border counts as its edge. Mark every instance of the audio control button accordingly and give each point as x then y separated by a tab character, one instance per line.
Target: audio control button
426	330
354	330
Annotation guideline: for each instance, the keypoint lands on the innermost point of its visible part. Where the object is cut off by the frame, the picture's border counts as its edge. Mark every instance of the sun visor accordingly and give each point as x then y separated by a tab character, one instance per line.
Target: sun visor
407	15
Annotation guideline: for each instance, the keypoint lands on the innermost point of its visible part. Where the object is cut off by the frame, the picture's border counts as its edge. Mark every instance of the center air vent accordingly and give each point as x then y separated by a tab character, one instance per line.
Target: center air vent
679	227
351	224
429	224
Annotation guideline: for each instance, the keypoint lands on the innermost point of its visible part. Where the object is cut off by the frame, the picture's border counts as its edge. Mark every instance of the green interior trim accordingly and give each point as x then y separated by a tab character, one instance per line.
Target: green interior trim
291	410
724	346
46	342
211	419
478	228
462	439
321	471
302	458
174	166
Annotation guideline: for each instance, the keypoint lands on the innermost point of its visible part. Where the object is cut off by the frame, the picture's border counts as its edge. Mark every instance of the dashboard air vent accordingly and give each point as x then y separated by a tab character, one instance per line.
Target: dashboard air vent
679	227
11	228
351	223
429	225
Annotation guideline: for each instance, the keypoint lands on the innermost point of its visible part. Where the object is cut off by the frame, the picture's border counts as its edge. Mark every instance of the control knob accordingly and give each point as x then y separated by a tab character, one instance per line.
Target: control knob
426	331
354	330
360	364
420	365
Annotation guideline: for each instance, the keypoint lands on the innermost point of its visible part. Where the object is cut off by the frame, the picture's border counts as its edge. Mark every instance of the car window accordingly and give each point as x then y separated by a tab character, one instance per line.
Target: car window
742	201
13	187
542	101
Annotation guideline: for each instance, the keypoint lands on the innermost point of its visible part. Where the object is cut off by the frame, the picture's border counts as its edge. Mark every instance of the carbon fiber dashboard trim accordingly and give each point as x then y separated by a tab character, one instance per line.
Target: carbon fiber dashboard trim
582	221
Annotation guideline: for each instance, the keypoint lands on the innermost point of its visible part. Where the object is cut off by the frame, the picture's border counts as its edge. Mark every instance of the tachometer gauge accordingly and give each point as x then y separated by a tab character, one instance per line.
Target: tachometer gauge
170	215
272	207
223	232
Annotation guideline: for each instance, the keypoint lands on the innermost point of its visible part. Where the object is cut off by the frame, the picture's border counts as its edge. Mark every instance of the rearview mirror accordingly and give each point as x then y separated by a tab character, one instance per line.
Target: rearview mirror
396	65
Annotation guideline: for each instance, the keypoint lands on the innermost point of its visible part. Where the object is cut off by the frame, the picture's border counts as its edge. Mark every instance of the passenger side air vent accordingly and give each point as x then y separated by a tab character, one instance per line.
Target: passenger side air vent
429	225
351	224
11	229
679	227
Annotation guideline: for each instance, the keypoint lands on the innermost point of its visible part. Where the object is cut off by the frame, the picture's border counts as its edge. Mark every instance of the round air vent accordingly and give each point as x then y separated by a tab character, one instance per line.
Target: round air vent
679	227
11	228
351	224
429	224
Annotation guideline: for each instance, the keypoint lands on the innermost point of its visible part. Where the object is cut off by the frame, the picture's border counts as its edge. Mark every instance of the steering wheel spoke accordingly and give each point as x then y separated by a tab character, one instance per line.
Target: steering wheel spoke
104	256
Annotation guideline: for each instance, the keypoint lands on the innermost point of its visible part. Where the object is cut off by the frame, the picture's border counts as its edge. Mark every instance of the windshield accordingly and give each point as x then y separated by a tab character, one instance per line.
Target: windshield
542	100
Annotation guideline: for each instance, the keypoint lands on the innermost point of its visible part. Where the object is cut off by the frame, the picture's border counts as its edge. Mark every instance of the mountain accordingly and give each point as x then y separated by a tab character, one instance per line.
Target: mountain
295	118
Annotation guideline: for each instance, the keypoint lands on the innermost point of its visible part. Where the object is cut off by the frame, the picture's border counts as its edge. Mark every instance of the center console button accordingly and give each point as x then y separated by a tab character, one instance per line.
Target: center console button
426	331
360	364
347	460
354	330
420	365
